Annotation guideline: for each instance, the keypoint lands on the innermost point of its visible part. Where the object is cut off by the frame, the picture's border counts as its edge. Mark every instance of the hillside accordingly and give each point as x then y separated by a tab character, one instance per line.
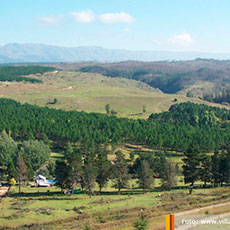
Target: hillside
91	92
169	77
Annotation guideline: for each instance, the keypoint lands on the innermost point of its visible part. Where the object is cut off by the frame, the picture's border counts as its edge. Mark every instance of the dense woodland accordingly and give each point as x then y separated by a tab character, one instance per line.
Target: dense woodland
17	73
29	132
176	130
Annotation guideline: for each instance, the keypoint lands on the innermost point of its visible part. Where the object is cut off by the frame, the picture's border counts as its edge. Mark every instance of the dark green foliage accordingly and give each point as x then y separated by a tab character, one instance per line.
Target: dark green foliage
168	175
145	175
89	172
176	129
205	172
120	172
103	170
74	161
192	165
14	157
141	223
62	173
22	170
216	176
51	168
8	149
36	153
171	83
15	73
193	114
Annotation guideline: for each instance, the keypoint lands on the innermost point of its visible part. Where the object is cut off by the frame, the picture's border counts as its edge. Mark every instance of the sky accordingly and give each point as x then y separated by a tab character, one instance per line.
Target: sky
172	25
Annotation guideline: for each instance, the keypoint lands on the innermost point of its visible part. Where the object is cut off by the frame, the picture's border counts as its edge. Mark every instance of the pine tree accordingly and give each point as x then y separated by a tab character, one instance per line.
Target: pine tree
192	165
206	169
62	173
216	168
168	175
145	175
22	170
120	171
104	170
89	173
75	166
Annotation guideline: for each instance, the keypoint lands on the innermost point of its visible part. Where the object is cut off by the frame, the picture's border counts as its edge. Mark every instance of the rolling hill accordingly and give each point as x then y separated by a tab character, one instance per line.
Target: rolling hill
91	92
198	77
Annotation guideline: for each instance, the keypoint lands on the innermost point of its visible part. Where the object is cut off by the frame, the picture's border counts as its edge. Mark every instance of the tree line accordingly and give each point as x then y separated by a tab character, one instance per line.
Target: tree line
17	73
21	160
89	165
218	97
177	129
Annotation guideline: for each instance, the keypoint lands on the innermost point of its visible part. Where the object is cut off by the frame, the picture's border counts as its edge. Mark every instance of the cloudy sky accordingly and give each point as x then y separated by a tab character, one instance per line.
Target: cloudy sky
177	25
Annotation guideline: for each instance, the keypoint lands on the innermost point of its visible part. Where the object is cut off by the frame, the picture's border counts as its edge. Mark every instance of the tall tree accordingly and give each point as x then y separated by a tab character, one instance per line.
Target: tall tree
120	171
104	170
192	165
22	170
89	173
35	152
8	149
206	169
216	176
168	175
145	175
227	174
62	173
74	161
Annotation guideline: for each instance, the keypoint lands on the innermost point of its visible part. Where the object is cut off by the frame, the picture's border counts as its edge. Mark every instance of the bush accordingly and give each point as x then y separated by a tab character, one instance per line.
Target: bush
141	223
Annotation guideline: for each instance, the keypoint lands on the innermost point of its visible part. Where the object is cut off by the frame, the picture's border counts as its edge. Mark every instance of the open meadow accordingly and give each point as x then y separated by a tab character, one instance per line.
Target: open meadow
91	92
42	208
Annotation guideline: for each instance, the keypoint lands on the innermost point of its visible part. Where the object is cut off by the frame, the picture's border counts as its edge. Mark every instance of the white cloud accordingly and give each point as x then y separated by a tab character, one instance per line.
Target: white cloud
83	16
183	39
116	17
49	20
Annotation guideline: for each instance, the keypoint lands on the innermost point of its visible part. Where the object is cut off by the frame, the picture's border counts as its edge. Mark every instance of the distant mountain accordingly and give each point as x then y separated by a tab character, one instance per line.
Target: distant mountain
19	53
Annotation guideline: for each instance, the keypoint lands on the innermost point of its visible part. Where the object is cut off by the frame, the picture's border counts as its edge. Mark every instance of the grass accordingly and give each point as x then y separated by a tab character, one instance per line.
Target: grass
58	211
91	92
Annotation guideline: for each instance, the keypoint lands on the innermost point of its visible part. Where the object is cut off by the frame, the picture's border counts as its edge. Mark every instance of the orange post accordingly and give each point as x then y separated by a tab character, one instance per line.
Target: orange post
169	222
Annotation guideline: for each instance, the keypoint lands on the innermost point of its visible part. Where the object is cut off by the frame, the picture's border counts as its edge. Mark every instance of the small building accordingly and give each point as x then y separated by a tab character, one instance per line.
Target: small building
41	181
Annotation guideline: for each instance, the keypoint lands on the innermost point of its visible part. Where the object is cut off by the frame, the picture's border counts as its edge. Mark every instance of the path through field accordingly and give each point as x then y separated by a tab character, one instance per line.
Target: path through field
198	218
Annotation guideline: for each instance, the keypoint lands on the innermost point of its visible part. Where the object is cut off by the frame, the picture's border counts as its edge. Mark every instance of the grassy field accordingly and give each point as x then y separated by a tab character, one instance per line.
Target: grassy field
91	92
39	208
48	208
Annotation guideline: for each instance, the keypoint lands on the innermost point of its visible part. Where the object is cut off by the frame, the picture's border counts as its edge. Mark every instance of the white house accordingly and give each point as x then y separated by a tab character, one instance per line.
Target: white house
41	181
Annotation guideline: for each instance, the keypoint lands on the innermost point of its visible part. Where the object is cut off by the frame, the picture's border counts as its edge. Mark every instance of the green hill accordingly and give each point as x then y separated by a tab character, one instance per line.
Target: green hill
91	92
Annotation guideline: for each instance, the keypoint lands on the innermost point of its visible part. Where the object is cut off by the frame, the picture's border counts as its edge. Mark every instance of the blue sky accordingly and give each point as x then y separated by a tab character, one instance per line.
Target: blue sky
178	25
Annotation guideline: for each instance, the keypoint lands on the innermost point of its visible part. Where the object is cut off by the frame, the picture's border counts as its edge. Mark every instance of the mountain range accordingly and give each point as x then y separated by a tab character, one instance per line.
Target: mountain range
21	53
